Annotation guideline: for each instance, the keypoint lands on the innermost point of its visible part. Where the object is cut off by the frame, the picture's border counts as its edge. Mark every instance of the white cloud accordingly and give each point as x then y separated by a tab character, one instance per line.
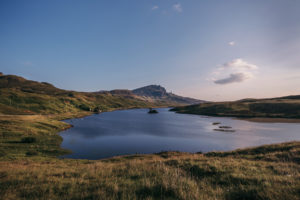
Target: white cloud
239	64
154	7
177	7
235	71
232	43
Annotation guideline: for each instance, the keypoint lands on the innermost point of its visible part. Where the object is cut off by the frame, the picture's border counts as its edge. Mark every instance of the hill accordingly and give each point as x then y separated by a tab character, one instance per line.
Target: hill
158	93
280	107
22	96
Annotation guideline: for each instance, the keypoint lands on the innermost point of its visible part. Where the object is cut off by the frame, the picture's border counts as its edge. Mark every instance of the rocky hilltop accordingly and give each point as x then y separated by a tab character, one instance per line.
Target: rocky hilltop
159	93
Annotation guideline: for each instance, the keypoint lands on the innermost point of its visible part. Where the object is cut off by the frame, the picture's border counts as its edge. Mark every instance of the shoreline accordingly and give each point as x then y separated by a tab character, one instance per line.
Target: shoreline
46	128
167	175
68	116
270	120
259	120
251	119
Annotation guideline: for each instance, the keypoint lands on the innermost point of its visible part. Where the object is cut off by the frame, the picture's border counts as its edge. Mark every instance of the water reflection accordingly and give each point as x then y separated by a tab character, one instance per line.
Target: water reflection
135	131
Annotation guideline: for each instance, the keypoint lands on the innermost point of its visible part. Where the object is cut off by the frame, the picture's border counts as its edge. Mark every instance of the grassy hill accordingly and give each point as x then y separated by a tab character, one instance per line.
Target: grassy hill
281	107
21	96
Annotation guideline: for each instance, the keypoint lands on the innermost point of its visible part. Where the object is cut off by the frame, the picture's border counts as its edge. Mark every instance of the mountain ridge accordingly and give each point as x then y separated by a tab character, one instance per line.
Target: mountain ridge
22	96
158	92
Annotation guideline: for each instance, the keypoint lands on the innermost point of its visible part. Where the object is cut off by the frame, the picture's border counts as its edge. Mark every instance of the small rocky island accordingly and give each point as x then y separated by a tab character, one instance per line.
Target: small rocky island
222	128
152	111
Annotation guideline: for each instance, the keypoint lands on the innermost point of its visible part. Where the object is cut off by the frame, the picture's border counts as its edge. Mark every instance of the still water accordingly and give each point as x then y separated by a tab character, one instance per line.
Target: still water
135	131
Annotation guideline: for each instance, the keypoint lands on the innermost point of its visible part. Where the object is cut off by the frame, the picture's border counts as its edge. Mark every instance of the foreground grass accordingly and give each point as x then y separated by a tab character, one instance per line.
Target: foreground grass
266	174
29	169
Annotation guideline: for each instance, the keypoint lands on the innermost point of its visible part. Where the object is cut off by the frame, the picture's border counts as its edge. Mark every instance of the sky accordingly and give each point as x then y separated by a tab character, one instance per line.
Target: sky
207	49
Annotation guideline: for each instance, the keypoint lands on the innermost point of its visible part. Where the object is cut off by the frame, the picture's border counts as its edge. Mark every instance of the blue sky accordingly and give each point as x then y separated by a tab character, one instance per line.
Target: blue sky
208	49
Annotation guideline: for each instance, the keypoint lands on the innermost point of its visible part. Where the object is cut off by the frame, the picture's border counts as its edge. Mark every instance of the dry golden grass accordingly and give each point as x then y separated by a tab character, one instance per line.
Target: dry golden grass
164	176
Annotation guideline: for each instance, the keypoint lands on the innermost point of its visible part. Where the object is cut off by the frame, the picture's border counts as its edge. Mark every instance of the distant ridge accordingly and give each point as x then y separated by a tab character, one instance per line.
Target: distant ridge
21	96
159	93
155	91
278	107
274	98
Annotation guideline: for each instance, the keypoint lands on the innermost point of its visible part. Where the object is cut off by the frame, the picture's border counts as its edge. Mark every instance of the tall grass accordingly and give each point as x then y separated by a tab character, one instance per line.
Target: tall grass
169	176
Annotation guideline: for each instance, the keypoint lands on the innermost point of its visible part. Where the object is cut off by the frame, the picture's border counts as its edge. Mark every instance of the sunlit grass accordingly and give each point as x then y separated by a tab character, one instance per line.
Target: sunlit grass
173	176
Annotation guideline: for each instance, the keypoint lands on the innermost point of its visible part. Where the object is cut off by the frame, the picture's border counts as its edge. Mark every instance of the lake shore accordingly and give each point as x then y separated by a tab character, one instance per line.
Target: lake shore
247	118
270	120
166	131
33	171
54	123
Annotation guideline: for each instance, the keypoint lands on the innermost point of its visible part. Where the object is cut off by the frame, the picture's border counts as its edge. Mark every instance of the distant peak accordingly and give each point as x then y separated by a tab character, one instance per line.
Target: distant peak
151	86
151	91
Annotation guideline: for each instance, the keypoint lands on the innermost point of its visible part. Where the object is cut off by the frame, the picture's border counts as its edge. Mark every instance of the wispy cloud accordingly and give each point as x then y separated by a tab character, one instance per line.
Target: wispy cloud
177	7
239	64
232	43
154	7
234	71
233	78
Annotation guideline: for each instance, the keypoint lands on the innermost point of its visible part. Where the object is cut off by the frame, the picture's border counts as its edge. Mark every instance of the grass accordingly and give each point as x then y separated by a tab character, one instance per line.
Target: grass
170	175
259	108
15	101
21	96
21	134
